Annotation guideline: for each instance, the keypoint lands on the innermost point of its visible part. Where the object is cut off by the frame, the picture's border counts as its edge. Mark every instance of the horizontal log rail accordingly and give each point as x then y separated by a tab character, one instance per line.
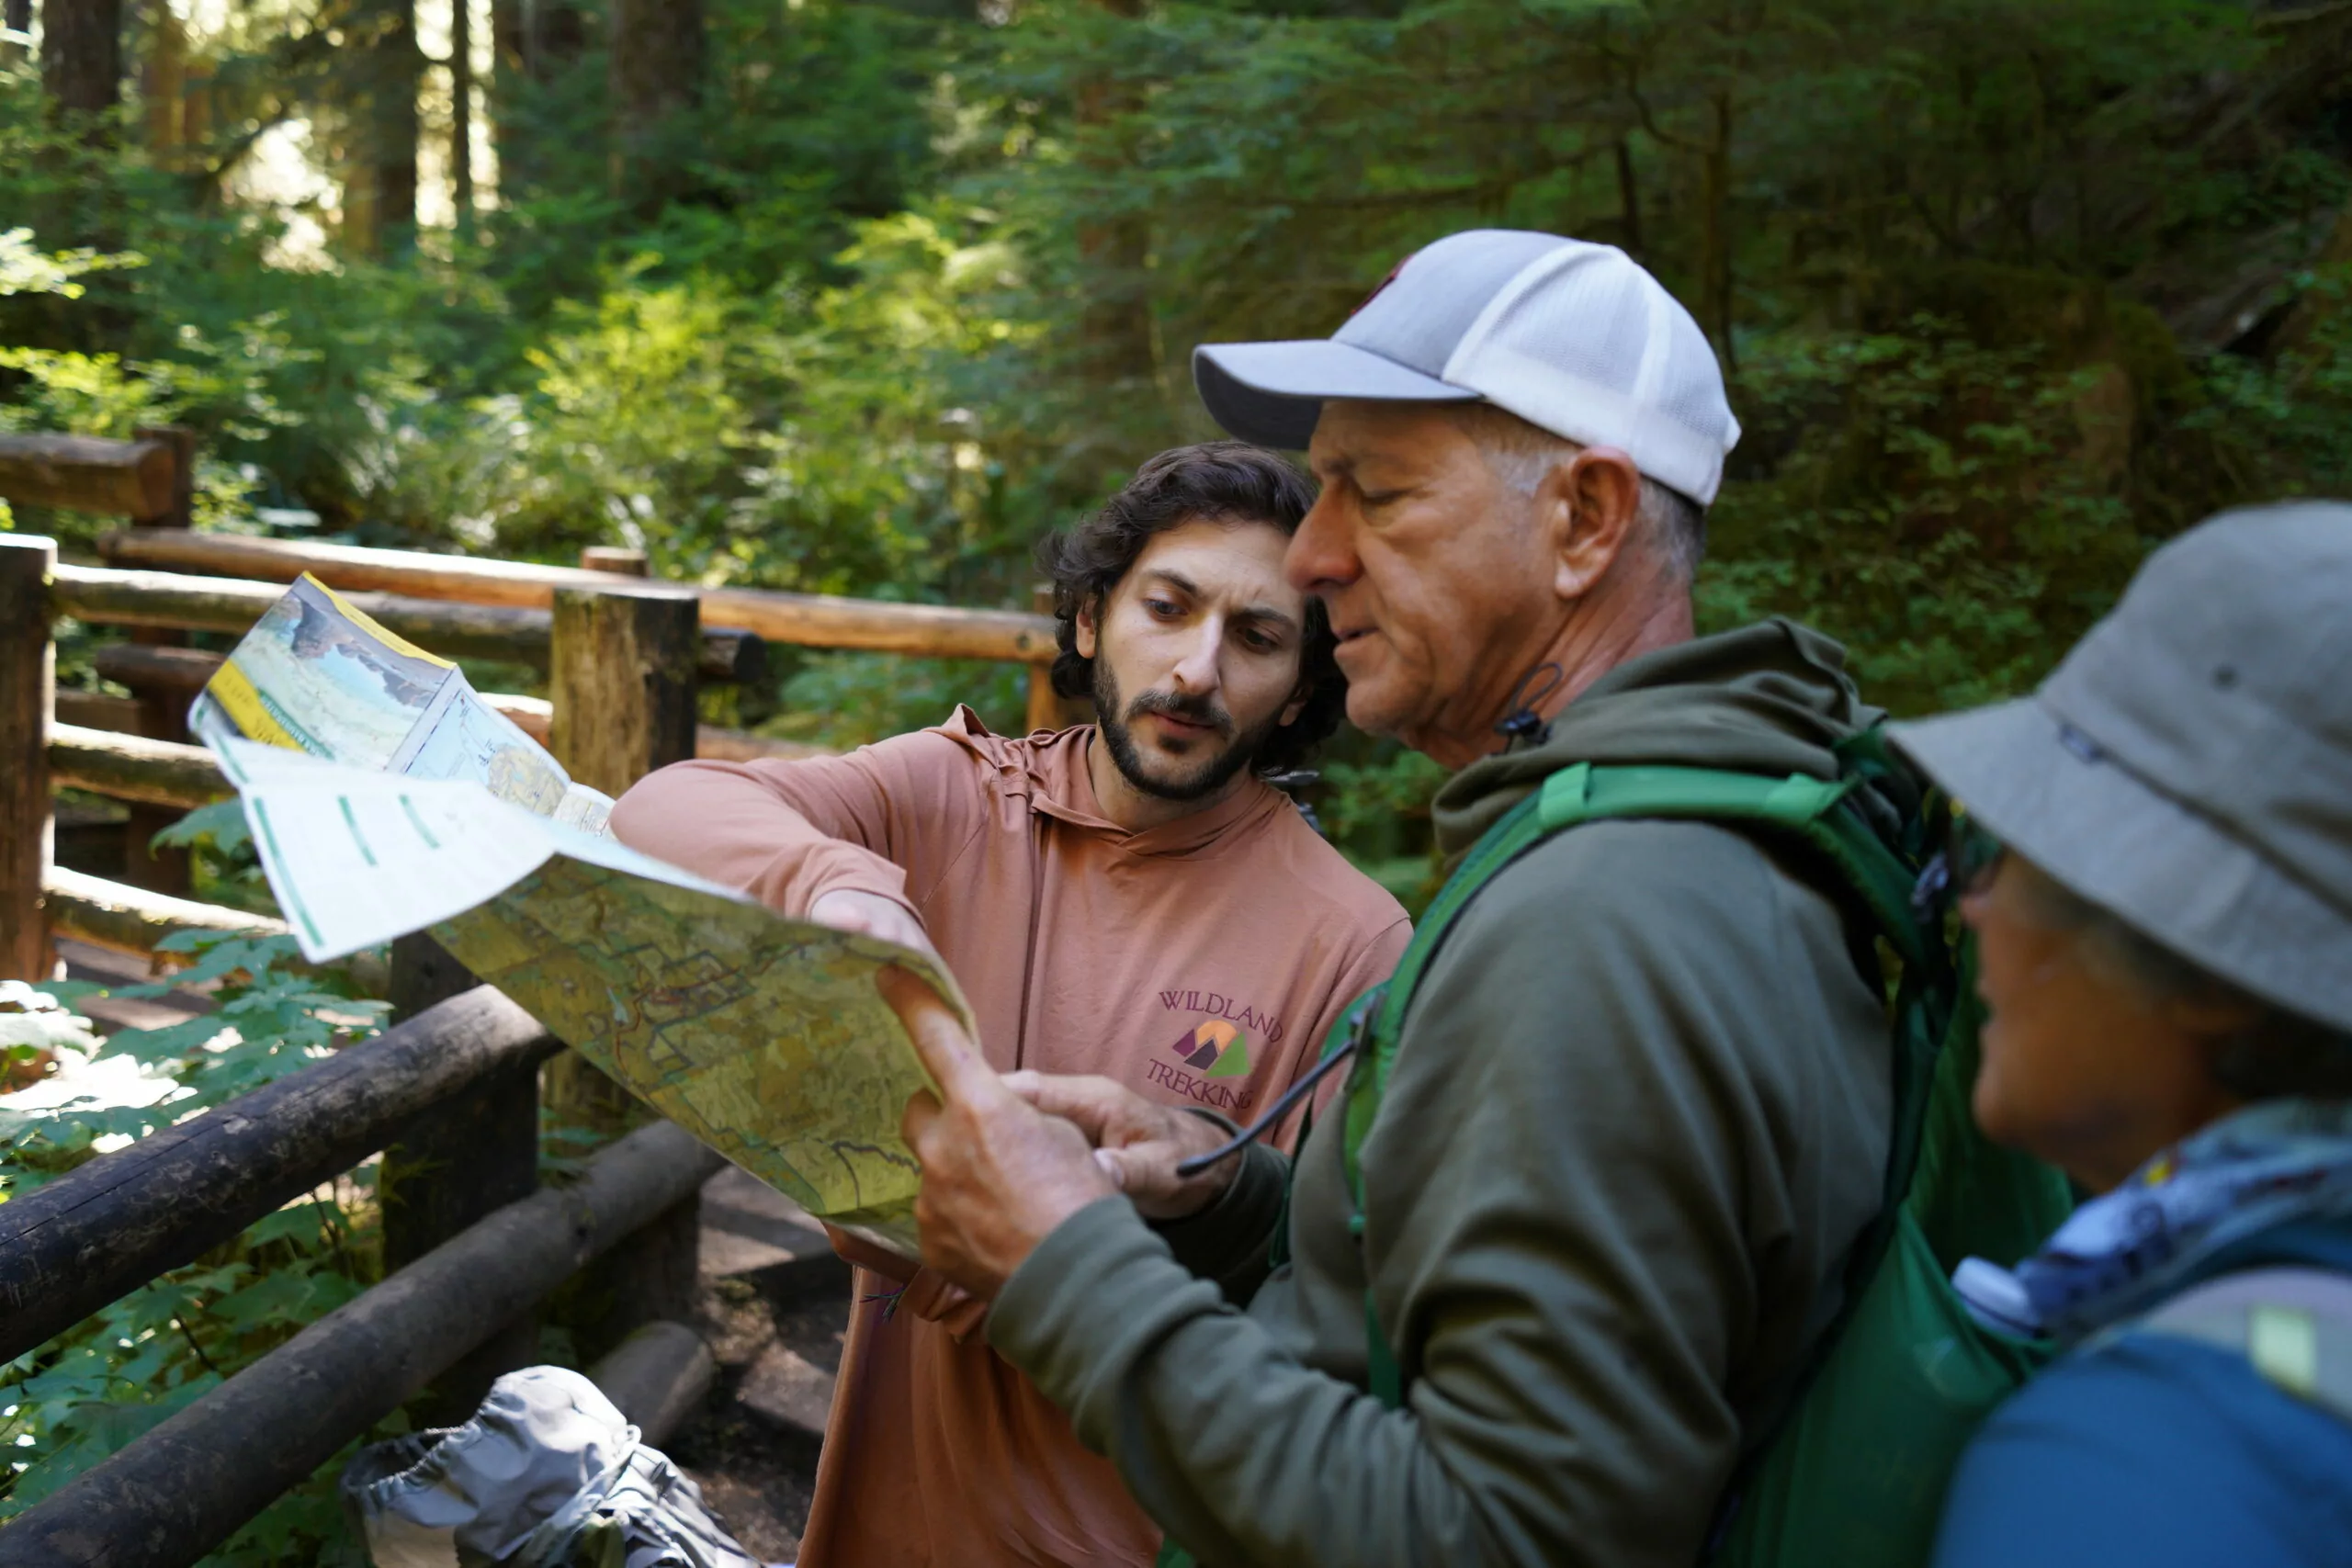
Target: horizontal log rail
84	1240
175	672
83	473
126	920
812	620
231	605
185	1486
535	716
131	767
160	772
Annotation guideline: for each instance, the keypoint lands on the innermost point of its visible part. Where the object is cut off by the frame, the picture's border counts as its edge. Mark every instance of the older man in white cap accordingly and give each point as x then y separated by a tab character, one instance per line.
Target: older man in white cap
1560	1254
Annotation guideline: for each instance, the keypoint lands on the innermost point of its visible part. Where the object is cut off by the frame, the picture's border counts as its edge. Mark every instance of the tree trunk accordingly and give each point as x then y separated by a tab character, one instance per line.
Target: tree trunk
17	16
558	36
510	39
395	73
655	74
461	115
536	41
1629	201
1714	241
1114	317
162	81
81	55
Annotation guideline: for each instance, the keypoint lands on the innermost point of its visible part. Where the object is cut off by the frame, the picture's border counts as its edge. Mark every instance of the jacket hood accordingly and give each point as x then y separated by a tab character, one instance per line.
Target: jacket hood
1771	698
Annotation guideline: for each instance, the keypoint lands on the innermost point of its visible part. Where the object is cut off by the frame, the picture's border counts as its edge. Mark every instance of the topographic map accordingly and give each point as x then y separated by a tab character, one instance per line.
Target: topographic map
764	1037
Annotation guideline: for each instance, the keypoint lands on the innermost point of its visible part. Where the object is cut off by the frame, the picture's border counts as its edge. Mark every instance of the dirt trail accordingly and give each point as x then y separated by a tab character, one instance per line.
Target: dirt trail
774	1305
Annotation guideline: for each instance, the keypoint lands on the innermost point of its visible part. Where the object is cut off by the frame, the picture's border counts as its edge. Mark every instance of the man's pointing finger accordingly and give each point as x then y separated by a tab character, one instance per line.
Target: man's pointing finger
938	1037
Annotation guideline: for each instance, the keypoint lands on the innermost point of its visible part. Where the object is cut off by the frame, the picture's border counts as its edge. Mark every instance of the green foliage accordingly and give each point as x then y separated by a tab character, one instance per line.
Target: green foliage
844	700
24	270
99	1385
2009	290
1379	808
273	1017
1951	522
224	868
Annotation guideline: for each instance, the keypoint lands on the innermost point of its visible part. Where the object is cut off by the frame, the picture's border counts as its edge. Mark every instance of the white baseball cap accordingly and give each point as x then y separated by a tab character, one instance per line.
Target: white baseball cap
1572	337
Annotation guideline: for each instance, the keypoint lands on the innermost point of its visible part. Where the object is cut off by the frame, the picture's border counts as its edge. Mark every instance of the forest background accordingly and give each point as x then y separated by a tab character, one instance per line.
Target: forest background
863	295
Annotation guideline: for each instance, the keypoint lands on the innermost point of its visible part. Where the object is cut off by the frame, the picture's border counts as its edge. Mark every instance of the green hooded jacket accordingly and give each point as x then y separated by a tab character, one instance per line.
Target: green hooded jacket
1639	1113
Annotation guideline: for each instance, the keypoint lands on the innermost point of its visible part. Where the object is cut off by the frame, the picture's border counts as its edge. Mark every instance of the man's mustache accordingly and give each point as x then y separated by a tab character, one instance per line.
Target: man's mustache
1194	710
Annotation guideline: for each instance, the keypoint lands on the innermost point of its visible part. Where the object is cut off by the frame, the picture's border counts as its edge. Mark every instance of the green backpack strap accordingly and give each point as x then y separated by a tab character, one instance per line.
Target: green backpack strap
1819	812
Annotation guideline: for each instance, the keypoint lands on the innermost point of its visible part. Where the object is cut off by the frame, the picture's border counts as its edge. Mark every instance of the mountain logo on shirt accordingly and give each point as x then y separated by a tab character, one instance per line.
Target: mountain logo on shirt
1214	1049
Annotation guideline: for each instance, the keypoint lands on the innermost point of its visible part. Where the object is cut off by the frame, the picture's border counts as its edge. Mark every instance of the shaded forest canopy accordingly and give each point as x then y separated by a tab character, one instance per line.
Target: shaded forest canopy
862	297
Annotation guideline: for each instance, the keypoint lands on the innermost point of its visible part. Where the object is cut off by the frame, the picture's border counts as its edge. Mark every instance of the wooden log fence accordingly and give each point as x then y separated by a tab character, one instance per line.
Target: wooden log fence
228	605
28	682
450	1093
206	1470
72	1245
140	479
131	767
815	620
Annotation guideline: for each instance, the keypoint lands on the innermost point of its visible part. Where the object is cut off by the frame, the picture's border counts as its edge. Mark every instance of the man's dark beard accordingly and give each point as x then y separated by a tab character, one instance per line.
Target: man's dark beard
1113	715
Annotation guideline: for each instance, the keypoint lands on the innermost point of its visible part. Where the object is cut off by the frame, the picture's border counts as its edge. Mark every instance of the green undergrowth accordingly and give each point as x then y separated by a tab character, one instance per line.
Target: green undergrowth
71	1095
97	1387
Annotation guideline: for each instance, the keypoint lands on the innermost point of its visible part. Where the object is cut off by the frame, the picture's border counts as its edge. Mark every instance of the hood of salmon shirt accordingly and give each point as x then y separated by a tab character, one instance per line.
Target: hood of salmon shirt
1051	774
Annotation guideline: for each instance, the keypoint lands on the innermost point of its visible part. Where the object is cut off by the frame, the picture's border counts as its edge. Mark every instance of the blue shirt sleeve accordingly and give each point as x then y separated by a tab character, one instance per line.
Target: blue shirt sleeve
2156	1451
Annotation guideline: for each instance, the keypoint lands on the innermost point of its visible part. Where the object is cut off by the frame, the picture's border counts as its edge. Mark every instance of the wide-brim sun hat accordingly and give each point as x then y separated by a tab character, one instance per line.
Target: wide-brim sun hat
2188	767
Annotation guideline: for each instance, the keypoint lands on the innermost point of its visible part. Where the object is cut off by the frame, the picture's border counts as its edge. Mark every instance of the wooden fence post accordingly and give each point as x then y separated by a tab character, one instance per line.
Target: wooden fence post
472	1155
622	677
182	441
27	682
1048	709
628	561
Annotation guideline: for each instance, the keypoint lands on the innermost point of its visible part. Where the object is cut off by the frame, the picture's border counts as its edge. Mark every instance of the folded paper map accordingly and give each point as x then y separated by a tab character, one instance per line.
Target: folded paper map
764	1037
317	675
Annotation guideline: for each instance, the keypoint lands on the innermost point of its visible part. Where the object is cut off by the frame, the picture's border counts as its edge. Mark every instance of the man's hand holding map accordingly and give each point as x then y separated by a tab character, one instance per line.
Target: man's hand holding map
765	1037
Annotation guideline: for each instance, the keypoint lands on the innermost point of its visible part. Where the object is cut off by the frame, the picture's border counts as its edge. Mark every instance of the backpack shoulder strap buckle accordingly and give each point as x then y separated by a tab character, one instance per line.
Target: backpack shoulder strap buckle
2292	1325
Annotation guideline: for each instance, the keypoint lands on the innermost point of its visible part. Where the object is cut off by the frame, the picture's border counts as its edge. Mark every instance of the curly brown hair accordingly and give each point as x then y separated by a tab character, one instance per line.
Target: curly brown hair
1228	481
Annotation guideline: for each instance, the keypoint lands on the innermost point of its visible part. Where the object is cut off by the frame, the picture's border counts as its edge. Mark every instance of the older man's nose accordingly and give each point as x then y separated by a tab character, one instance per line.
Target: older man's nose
1318	559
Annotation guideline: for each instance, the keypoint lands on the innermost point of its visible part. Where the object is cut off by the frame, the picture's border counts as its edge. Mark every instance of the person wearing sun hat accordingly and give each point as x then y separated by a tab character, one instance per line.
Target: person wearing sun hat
2157	867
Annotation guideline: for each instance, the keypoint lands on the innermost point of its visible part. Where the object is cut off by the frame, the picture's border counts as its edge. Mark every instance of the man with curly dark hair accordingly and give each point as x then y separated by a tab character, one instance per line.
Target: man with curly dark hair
1132	901
1221	483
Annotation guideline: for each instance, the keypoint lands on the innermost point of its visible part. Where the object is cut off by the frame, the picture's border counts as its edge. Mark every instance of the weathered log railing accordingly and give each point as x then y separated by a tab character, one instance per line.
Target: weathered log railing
815	620
71	1247
450	1093
455	630
147	480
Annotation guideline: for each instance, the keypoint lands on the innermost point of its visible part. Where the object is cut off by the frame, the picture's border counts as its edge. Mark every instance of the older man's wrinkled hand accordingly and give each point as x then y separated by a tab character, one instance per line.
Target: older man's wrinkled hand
1140	1142
998	1174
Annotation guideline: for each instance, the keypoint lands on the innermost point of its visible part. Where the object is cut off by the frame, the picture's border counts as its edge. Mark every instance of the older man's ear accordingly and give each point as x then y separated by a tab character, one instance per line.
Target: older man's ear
1590	506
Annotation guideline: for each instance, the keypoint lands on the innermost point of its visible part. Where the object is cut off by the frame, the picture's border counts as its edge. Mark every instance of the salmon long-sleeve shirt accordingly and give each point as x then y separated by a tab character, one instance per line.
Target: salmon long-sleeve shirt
1199	962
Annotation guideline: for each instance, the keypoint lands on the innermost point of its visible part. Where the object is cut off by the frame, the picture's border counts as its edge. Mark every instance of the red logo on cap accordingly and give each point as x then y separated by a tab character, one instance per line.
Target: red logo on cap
1382	288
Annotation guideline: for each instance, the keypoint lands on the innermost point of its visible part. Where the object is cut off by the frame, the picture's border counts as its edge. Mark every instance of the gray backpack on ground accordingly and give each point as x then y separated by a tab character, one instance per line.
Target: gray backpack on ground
548	1474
